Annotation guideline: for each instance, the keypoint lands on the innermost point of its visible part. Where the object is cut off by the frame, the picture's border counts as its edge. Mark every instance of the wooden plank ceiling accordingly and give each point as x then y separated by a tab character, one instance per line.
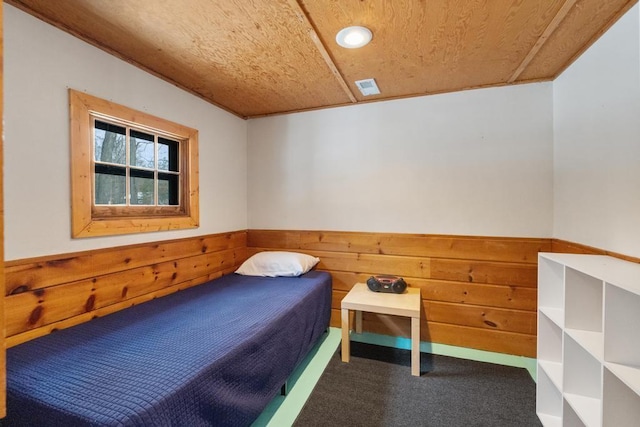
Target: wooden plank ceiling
260	57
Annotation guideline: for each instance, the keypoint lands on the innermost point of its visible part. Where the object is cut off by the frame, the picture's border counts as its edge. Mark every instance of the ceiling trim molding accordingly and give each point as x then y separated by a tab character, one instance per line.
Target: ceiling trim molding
553	25
313	34
596	36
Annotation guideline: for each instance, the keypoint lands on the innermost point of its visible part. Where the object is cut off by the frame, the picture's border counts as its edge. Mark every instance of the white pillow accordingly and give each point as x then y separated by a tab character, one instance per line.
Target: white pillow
275	263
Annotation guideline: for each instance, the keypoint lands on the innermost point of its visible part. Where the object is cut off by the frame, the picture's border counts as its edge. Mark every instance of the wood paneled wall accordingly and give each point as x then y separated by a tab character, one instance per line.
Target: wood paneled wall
564	246
48	293
477	292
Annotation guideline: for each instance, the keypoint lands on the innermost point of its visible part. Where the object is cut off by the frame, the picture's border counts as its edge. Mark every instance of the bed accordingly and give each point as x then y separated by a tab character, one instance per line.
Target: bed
215	354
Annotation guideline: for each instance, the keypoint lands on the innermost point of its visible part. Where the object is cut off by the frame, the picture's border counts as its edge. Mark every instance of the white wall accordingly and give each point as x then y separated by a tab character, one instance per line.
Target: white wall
474	163
41	62
533	160
597	143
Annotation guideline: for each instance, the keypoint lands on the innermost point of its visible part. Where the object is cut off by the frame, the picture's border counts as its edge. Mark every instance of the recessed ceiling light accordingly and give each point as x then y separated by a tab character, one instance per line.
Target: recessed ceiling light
353	37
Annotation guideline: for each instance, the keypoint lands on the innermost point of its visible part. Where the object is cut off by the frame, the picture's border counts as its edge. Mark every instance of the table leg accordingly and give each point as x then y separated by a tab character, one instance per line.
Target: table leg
345	335
358	321
415	346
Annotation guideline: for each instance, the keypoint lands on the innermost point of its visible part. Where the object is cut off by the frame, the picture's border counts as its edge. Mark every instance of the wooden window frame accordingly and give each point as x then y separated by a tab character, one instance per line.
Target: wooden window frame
88	220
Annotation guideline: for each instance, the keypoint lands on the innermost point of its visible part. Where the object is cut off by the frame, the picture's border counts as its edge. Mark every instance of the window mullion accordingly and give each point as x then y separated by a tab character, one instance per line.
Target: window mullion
92	144
127	166
156	189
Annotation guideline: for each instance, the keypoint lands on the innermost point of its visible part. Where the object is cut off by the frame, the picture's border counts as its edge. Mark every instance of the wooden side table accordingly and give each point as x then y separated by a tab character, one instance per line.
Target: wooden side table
407	304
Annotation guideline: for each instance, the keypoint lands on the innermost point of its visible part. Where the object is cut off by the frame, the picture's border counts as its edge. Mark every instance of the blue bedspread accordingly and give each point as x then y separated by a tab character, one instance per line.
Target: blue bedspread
212	355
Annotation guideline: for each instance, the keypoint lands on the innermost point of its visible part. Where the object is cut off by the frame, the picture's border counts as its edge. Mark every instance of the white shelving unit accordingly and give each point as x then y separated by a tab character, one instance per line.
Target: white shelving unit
588	341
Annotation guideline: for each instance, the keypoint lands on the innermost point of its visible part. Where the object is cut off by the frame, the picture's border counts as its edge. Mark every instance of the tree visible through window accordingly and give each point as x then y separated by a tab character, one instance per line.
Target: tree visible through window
142	169
149	160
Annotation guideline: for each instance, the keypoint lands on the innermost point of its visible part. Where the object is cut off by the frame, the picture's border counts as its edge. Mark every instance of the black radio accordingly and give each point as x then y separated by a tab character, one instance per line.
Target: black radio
393	284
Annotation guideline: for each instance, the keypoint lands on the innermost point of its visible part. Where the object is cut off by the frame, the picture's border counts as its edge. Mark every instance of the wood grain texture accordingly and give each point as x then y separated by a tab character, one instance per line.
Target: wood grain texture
513	297
553	25
520	250
28	310
477	292
481	317
86	317
491	317
515	274
582	26
263	57
564	246
60	291
461	336
484	287
88	220
252	57
35	273
311	31
437	46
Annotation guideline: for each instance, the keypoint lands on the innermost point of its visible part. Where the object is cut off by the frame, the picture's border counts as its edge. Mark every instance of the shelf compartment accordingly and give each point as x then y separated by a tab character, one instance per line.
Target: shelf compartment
550	283
550	347
621	405
550	420
592	342
587	409
571	419
583	301
582	381
588	345
622	317
554	314
629	375
553	371
548	398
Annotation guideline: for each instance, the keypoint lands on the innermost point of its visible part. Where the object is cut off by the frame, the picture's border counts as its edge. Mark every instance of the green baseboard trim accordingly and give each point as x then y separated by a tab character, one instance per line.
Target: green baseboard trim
283	410
527	363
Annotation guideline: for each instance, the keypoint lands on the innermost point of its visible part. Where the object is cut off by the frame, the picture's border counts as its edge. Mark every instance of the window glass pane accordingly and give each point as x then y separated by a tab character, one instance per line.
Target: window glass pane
142	191
110	185
109	143
141	149
168	192
110	180
167	155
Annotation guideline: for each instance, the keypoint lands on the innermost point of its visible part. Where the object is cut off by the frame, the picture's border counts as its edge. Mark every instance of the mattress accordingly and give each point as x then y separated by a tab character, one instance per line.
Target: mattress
215	354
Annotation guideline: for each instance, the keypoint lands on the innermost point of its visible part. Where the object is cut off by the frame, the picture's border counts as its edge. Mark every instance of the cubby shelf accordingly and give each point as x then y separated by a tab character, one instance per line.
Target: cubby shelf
553	371
593	342
550	421
587	409
588	346
629	375
555	314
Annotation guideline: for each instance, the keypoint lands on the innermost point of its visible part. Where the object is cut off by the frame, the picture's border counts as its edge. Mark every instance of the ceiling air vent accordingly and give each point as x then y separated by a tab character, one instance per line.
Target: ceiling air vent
368	87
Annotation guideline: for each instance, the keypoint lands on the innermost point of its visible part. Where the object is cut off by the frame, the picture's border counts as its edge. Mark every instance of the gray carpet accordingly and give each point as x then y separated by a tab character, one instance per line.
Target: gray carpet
377	389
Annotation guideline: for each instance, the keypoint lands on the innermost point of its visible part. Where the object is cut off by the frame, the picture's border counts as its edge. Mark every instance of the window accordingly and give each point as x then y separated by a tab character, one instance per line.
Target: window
130	172
133	167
